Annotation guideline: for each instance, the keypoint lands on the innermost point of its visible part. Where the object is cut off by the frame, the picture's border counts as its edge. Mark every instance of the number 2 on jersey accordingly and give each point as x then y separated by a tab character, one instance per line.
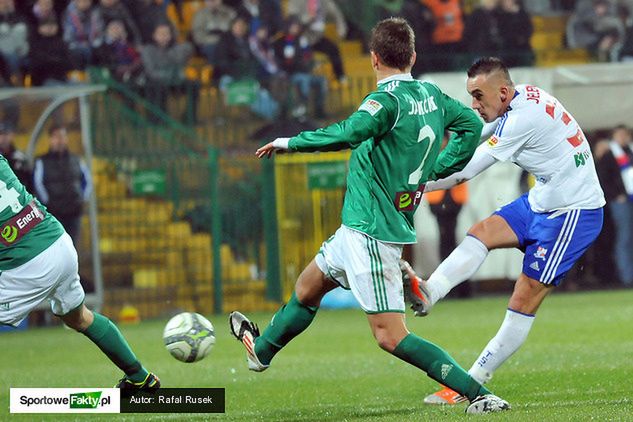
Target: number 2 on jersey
425	133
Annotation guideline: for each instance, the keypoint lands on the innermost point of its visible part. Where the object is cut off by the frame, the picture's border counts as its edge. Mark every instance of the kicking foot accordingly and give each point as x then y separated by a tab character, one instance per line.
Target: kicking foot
246	332
445	396
488	403
415	291
128	387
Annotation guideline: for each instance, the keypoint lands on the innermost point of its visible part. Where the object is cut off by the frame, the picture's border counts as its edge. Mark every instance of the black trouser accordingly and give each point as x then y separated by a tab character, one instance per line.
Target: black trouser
331	50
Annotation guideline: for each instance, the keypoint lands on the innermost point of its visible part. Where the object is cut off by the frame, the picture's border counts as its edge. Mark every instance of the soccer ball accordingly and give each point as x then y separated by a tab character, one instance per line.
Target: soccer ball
189	337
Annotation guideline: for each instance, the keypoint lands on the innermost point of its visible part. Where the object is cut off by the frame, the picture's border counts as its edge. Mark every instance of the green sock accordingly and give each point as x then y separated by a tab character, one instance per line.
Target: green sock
438	365
289	321
109	339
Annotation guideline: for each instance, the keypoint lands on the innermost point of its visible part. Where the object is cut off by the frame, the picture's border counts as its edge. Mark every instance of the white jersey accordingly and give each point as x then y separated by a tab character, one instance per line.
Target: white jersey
540	136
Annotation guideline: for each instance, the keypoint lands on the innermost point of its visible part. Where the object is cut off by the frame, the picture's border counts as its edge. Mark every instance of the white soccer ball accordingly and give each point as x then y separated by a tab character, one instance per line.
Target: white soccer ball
189	337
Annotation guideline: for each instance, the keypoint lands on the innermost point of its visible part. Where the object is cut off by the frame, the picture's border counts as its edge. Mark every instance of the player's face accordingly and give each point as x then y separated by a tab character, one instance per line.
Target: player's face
488	96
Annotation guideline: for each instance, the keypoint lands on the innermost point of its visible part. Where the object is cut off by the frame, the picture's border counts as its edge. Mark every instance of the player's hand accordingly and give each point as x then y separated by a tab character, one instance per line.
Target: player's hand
279	144
265	151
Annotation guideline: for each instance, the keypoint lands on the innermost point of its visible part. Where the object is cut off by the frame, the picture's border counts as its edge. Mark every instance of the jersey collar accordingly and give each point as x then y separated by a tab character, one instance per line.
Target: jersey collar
398	77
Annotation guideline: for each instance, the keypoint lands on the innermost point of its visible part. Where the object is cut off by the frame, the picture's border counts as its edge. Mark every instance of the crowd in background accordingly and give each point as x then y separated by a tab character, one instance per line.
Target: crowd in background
254	40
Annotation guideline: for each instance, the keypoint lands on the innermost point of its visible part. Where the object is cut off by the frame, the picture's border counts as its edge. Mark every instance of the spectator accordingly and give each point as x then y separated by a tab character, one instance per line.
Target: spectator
516	26
313	14
448	33
10	107
49	57
118	55
615	170
296	58
209	23
18	161
269	71
482	33
164	62
423	24
147	15
42	10
262	13
598	29
236	63
14	44
62	182
110	10
83	31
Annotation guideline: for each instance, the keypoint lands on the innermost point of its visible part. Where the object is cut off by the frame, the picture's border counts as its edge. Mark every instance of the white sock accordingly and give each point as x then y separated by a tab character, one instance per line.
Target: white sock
458	267
512	334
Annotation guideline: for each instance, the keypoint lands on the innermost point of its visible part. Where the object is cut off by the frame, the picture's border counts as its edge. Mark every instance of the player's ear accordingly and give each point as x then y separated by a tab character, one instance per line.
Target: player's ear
375	61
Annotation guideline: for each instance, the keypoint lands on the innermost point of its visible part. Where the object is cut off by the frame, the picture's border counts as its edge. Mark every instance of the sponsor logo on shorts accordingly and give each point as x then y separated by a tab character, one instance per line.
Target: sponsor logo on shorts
492	141
540	253
534	266
9	233
5	306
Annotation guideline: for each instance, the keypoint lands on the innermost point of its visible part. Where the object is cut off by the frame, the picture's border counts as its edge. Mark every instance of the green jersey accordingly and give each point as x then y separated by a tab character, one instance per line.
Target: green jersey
26	228
396	137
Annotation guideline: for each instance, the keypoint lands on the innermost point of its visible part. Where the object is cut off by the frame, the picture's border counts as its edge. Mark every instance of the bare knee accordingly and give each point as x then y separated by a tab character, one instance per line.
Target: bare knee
387	341
79	319
388	329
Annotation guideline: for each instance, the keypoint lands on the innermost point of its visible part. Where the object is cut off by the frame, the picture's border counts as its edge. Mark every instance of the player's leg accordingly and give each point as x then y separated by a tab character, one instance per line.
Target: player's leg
555	241
525	300
296	315
293	317
67	303
392	336
492	233
503	229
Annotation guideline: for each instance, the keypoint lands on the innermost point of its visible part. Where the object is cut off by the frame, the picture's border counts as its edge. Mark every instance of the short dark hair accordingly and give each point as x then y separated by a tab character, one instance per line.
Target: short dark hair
394	42
487	65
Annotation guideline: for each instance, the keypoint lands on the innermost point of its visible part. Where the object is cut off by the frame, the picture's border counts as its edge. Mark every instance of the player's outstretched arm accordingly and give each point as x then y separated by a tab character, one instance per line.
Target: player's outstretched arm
481	161
279	144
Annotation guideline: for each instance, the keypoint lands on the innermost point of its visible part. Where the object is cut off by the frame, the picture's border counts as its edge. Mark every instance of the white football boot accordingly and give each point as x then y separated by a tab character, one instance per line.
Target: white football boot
246	332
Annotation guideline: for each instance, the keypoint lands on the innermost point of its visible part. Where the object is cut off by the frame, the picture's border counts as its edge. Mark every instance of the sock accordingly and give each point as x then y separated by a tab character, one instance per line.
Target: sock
438	365
289	321
458	267
109	339
512	334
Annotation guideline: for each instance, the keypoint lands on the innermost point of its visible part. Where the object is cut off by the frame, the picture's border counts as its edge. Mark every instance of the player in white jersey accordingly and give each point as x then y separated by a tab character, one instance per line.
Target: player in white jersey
553	224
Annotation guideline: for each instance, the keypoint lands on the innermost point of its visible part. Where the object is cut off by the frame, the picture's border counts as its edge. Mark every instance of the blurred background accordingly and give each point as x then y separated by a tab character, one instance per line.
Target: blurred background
164	103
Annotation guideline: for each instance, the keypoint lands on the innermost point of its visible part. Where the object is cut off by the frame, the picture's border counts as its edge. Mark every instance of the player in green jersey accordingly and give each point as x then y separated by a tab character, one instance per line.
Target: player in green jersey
38	263
395	137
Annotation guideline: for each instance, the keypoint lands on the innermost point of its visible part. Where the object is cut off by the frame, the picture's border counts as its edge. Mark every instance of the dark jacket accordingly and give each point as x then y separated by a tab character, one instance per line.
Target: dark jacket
234	57
610	176
49	58
64	182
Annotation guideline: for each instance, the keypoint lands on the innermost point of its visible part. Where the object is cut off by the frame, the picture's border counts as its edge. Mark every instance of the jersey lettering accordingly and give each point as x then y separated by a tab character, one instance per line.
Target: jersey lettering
9	198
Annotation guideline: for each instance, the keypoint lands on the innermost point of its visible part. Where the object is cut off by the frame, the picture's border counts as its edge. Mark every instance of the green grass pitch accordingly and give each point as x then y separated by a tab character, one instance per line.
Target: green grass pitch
576	365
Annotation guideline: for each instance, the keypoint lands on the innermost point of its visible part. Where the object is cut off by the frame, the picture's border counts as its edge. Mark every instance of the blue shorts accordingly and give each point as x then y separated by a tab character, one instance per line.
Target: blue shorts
552	241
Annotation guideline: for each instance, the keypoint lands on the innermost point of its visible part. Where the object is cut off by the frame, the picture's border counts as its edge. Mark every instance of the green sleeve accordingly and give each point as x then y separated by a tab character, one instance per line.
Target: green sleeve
466	126
375	117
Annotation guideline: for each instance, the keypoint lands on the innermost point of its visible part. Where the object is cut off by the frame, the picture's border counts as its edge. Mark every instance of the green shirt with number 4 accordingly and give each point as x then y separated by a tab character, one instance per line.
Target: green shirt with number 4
396	136
18	248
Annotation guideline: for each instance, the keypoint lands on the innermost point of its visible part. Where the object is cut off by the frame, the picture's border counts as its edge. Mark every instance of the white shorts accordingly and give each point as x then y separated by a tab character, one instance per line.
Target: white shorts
366	266
52	275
